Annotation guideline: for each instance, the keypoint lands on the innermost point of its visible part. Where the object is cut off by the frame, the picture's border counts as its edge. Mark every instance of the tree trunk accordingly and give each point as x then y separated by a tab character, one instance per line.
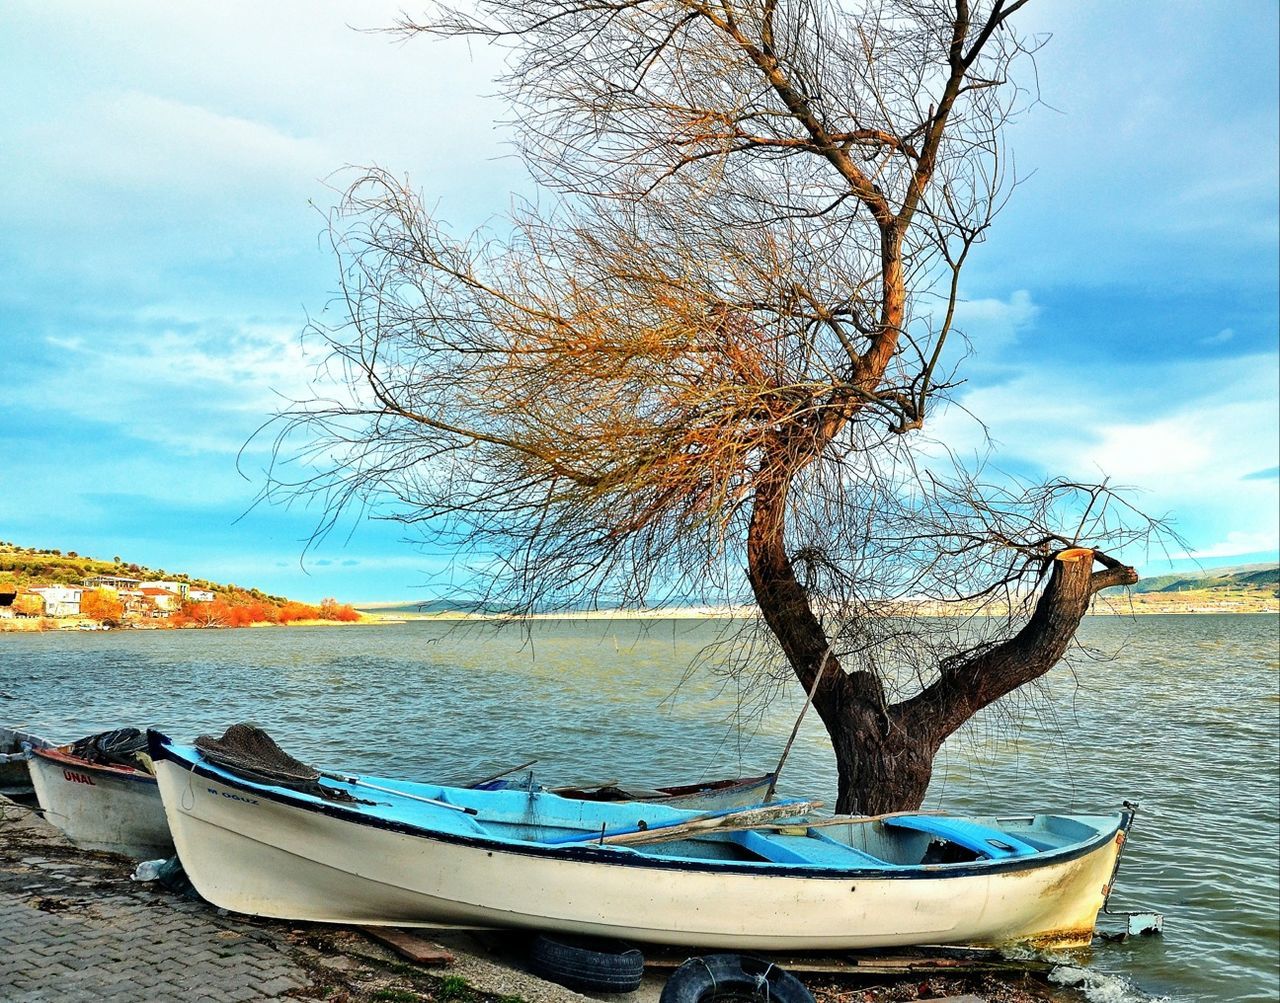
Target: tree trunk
884	754
880	766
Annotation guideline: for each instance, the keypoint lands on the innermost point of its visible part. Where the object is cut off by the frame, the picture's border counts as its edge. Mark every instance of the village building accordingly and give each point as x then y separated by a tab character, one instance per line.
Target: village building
200	595
60	600
180	588
135	604
117	582
164	600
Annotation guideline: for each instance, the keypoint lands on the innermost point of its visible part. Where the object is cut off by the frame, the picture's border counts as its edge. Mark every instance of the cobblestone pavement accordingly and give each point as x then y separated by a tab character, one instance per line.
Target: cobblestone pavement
73	926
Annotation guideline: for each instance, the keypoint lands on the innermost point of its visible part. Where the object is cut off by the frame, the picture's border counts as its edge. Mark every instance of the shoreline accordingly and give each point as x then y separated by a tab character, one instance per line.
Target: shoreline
1107	607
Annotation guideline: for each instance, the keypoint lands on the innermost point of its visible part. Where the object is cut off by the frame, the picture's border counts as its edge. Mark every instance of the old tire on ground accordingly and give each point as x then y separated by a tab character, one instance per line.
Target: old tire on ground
607	966
732	977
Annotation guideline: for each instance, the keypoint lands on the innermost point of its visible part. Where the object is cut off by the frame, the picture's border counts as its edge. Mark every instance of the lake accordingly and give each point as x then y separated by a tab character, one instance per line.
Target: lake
1184	717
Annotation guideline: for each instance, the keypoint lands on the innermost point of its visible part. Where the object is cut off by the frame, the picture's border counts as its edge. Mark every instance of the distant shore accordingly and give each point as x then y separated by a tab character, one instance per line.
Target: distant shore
39	625
1137	604
1190	603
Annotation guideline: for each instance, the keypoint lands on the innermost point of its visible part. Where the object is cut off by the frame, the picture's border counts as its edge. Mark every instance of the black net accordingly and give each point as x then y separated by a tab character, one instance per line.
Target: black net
248	751
121	747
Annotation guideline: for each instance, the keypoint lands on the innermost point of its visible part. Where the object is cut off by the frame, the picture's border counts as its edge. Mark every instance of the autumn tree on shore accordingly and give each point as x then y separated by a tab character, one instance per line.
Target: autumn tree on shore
103	605
715	347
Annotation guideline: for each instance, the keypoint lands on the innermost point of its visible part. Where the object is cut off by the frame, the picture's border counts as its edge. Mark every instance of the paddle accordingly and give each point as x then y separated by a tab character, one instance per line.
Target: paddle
750	818
504	773
679	828
829	821
342	779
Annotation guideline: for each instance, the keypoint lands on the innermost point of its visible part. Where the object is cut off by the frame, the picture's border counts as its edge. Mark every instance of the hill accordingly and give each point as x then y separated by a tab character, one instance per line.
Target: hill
32	567
180	600
1242	576
1248	588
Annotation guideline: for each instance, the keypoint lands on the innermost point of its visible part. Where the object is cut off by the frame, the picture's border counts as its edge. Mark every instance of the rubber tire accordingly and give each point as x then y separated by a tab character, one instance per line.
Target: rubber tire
606	966
733	976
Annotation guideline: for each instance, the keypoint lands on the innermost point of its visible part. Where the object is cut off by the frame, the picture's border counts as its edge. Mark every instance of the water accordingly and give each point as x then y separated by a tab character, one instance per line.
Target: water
1183	718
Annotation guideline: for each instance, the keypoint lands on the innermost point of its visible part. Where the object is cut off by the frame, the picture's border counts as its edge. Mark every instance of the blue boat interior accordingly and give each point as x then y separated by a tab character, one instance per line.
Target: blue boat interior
533	817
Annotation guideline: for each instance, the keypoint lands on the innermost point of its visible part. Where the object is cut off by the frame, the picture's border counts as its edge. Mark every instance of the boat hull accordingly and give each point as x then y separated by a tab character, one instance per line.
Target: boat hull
250	852
101	807
15	777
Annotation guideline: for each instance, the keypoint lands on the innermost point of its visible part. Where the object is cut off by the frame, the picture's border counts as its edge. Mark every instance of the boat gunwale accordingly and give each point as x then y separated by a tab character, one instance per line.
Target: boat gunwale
57	755
161	750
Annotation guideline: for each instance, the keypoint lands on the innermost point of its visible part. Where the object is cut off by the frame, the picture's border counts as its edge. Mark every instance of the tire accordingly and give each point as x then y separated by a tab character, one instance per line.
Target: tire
606	966
732	977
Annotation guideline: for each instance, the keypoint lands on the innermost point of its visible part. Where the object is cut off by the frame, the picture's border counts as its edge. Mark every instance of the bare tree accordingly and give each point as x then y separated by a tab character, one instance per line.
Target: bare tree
715	346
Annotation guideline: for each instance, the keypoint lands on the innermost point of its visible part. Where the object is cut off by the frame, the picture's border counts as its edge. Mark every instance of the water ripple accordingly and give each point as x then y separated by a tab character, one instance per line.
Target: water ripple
1182	716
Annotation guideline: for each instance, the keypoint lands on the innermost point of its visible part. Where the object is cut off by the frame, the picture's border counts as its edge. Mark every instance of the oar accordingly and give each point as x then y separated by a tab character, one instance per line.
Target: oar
679	828
504	773
391	790
831	820
795	729
751	818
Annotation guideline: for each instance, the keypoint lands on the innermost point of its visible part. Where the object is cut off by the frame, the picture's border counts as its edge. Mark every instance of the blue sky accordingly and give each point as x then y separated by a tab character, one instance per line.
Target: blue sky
162	179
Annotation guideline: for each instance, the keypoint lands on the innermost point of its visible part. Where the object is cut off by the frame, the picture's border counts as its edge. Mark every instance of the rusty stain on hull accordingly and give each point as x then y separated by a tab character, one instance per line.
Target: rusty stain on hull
1072	924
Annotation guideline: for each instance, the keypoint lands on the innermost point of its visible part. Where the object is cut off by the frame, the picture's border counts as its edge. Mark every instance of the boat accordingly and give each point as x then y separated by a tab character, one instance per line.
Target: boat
101	793
15	778
302	845
709	795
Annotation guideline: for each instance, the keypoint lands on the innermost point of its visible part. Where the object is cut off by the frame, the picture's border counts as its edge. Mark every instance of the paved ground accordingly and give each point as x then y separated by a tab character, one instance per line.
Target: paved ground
74	927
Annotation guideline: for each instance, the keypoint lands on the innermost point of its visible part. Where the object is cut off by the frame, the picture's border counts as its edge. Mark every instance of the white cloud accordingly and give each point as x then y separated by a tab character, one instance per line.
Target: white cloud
1221	338
1234	545
993	323
1185	435
190	387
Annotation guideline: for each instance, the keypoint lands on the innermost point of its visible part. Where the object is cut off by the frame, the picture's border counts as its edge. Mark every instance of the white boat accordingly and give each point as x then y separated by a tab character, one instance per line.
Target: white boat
388	852
101	806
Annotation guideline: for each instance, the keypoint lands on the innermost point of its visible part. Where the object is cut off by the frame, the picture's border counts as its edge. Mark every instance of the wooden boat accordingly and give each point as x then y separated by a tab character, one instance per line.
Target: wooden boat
710	795
101	805
388	852
15	778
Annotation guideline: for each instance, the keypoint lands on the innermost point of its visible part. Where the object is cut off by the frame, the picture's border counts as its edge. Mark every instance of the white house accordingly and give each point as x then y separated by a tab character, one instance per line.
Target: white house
200	595
60	600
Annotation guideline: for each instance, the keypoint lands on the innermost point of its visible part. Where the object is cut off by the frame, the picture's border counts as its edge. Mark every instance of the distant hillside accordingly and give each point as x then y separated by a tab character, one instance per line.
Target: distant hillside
1242	576
431	607
31	567
1249	588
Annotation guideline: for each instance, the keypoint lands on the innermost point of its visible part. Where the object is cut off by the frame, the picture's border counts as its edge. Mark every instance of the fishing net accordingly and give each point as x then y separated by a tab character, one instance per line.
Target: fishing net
120	747
248	751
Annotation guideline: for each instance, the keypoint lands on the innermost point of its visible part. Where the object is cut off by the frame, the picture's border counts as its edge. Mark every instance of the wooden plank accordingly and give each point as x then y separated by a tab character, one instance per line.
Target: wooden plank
940	961
409	945
967	998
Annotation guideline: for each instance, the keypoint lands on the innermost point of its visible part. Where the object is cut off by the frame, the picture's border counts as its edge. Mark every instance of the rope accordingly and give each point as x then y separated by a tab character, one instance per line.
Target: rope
762	982
714	984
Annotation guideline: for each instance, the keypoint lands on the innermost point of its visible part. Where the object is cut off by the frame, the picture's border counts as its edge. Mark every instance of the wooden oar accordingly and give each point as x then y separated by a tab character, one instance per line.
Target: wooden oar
401	794
751	818
504	773
678	829
832	820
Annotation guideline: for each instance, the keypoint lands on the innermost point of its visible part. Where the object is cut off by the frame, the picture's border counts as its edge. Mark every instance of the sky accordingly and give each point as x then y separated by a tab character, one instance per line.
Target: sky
165	169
